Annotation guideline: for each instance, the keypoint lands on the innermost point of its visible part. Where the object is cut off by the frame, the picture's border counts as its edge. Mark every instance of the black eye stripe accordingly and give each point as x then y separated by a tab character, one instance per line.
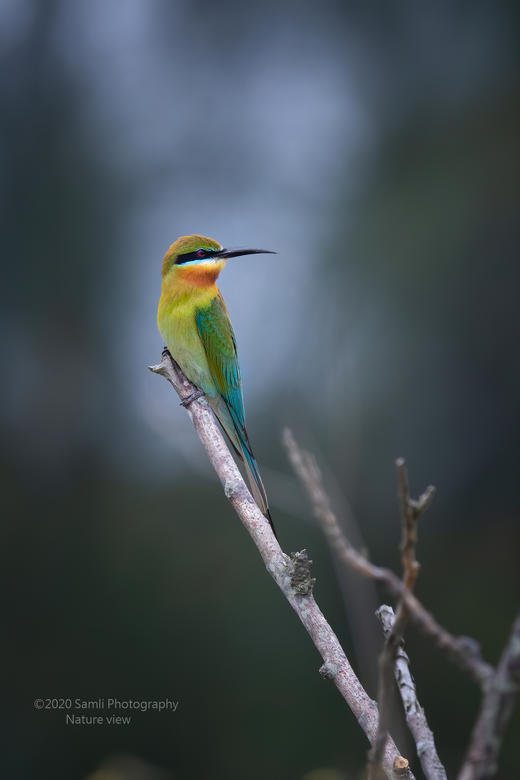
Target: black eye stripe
196	255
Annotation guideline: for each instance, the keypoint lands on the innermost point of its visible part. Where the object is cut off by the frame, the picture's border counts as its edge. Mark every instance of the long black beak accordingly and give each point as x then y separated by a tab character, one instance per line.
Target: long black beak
239	252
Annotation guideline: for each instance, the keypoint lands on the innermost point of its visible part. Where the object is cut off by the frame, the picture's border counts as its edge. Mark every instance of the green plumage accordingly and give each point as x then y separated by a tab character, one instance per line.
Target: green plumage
194	322
218	339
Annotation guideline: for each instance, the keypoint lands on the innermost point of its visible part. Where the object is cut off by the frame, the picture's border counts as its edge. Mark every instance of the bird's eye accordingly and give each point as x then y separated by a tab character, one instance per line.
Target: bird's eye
201	253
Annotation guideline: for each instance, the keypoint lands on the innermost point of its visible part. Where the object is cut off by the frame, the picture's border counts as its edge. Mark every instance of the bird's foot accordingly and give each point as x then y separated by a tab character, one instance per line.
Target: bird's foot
165	351
192	397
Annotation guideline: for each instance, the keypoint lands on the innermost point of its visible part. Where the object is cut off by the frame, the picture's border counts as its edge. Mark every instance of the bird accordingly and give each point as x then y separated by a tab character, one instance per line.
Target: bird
194	323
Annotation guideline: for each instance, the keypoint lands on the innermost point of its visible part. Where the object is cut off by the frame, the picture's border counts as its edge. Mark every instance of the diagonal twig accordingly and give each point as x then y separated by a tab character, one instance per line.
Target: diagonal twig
463	650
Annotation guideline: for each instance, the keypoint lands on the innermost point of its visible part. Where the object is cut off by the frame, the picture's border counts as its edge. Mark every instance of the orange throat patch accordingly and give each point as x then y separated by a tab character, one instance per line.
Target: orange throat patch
201	274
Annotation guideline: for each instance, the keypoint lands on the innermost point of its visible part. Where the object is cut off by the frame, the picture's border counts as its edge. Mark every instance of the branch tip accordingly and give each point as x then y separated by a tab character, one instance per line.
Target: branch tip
401	766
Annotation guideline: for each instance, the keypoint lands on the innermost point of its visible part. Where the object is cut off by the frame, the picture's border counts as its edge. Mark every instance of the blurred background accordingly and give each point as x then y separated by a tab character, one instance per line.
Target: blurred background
375	147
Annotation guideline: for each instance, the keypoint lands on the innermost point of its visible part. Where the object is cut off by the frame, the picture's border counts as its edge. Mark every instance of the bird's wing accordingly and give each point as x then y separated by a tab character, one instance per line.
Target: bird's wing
218	339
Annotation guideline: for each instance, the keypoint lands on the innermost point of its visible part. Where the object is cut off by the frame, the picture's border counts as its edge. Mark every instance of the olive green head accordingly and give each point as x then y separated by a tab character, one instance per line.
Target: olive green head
190	249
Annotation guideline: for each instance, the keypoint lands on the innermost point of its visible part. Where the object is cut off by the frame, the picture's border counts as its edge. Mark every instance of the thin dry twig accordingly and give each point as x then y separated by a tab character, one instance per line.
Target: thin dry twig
290	574
463	650
497	705
410	512
414	713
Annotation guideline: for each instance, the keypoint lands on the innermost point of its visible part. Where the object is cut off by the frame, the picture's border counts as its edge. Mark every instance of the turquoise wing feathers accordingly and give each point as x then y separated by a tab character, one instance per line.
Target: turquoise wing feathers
218	339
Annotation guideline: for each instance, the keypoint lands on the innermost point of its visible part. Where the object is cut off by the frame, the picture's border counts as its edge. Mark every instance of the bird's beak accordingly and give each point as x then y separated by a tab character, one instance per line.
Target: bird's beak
239	252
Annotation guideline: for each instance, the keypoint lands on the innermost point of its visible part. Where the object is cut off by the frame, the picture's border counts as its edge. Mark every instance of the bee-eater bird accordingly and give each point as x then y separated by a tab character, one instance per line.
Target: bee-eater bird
194	323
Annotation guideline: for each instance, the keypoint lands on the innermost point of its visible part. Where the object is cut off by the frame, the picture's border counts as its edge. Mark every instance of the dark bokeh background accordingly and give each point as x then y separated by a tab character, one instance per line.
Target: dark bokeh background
375	146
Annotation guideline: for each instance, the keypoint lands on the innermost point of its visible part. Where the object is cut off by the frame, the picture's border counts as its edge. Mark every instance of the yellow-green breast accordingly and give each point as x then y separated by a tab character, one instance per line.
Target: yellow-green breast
184	291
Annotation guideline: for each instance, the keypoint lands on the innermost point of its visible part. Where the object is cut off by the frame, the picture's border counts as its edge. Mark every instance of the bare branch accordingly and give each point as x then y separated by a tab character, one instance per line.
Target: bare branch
495	712
288	573
463	650
414	713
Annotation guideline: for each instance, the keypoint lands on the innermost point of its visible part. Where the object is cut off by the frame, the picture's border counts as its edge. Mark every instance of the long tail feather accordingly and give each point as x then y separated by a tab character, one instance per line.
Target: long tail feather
239	439
257	486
